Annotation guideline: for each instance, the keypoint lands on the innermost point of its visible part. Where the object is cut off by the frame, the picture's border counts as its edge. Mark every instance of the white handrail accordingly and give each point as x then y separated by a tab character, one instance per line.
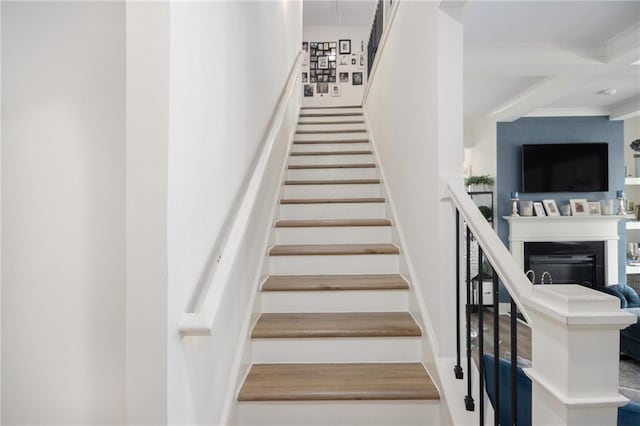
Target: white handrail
201	323
519	287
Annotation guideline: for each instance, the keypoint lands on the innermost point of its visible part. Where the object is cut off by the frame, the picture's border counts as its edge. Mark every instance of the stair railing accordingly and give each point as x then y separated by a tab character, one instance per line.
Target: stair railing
584	321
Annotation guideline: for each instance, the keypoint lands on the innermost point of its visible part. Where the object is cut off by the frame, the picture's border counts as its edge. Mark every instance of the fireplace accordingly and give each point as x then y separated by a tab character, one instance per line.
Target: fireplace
567	262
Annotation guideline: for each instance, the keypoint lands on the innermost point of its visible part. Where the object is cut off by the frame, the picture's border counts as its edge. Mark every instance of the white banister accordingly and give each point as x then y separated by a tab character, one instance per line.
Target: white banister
575	334
200	323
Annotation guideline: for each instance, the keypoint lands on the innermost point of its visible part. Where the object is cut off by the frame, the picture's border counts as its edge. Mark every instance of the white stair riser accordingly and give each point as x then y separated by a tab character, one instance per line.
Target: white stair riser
333	211
334	235
354	110
334	264
332	191
339	413
335	301
324	147
332	159
332	119
355	173
320	127
325	350
330	136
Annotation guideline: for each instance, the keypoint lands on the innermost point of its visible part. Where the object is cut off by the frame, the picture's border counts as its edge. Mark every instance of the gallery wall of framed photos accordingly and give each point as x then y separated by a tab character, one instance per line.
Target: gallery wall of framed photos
334	70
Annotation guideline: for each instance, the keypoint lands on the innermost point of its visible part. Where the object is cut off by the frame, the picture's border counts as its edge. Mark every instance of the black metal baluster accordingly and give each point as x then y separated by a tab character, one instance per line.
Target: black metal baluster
514	362
480	339
496	350
468	399
458	369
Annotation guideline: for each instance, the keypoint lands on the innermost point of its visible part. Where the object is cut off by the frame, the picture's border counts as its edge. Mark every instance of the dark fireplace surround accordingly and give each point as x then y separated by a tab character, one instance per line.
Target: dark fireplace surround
567	262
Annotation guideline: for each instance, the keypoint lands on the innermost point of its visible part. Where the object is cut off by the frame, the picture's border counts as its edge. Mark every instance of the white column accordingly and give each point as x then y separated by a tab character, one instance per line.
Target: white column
575	350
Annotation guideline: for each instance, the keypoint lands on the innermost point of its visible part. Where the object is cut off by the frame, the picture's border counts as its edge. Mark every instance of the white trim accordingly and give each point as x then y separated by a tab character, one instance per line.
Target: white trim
200	323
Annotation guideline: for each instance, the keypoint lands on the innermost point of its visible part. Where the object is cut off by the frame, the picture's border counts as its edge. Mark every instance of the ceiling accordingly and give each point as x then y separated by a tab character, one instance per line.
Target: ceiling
545	57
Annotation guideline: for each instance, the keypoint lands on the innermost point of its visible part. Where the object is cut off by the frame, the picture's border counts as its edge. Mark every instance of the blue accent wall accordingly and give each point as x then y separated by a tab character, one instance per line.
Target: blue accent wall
511	137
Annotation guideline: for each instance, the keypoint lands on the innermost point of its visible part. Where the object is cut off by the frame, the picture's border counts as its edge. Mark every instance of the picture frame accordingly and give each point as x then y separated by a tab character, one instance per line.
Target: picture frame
551	207
323	62
308	90
353	61
579	207
323	88
343	77
361	65
305	46
344	47
539	208
594	208
356	78
344	60
336	90
304	77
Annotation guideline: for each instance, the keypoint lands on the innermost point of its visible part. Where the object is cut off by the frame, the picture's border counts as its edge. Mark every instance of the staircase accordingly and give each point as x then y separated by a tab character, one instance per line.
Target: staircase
335	343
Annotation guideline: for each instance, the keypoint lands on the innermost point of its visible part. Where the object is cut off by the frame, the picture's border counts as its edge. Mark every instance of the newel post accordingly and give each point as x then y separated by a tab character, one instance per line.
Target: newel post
575	351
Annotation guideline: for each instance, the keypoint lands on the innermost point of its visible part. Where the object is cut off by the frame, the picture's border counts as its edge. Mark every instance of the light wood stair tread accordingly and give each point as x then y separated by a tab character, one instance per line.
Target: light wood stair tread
330	114
310	223
334	282
332	249
325	382
331	200
332	166
301	154
335	324
302	123
318	142
314	132
331	181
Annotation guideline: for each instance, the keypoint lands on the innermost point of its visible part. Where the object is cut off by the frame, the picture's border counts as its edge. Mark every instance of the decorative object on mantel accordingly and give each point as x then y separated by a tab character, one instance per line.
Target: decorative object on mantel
480	183
565	210
539	209
594	208
514	204
621	207
635	145
551	207
607	207
579	206
526	208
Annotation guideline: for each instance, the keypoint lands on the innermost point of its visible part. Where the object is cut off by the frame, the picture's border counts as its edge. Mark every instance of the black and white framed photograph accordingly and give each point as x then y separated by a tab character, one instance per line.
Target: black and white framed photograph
353	61
305	46
356	78
551	207
336	90
361	64
344	77
323	88
594	208
308	90
344	60
579	206
323	62
345	47
537	207
304	77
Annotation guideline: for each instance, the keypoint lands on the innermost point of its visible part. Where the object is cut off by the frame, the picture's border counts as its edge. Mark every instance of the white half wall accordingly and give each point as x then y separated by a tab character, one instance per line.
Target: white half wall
63	213
229	64
350	94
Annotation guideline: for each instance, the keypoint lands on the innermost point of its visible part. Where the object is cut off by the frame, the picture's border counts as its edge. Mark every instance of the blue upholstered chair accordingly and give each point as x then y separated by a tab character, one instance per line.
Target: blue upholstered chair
630	302
629	415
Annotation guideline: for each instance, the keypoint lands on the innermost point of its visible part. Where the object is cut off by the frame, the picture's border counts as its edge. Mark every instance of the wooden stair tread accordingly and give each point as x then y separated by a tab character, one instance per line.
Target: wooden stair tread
332	166
326	382
335	324
300	154
331	200
332	249
330	114
331	222
332	182
334	282
314	132
331	141
301	123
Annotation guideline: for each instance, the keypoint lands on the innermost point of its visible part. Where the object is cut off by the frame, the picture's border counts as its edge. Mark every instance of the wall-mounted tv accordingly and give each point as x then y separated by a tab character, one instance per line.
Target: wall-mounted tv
565	167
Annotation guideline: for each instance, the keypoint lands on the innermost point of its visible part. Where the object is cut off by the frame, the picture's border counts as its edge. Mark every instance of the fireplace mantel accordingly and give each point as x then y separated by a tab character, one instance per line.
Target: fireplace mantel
567	228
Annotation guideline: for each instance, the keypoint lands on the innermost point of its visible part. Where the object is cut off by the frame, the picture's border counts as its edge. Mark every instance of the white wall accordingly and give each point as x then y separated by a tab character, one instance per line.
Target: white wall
229	64
146	188
631	133
351	95
63	213
414	110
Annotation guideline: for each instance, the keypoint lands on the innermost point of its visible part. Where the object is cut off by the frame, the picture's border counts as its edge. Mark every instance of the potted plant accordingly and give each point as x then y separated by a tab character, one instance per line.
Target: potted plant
479	183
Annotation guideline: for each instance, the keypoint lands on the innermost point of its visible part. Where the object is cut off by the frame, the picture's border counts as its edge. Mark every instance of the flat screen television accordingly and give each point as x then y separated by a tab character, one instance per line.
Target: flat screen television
565	167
